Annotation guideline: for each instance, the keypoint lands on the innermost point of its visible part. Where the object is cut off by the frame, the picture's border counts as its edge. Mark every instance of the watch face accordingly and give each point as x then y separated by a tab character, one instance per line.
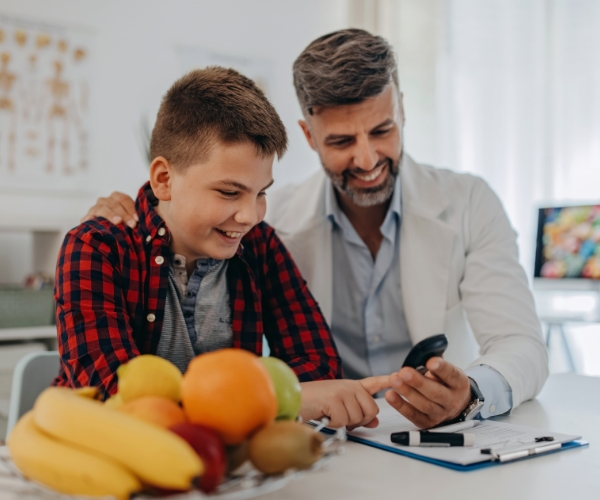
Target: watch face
472	411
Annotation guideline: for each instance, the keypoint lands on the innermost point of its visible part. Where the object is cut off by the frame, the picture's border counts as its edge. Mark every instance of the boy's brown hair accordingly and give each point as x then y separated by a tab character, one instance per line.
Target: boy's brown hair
210	105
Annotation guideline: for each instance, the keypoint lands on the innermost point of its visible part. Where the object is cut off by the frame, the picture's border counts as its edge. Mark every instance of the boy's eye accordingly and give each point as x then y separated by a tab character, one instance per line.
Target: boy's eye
229	194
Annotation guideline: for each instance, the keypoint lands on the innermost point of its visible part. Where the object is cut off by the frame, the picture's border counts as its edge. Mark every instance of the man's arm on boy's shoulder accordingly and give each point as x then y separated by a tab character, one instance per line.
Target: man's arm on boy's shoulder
294	325
94	334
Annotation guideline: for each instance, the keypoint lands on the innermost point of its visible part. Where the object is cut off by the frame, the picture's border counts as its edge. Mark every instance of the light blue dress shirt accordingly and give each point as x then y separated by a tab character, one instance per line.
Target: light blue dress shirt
368	321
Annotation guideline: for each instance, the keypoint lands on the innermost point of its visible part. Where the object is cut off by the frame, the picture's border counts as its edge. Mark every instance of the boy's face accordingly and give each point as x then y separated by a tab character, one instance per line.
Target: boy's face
210	206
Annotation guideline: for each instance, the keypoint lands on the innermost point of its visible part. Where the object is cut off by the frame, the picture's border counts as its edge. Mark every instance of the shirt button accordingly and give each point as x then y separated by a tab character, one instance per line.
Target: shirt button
376	338
189	294
159	260
151	318
148	238
162	231
492	408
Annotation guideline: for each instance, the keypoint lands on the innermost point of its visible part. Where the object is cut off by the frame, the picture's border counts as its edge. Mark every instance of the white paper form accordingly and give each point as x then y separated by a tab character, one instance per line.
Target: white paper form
500	436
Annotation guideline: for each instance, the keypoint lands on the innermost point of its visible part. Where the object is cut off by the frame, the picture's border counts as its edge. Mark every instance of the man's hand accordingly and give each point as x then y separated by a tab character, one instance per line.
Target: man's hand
429	400
118	207
345	402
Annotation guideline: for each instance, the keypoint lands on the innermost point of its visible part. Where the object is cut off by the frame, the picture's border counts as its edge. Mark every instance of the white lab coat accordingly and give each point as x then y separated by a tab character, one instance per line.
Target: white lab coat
459	269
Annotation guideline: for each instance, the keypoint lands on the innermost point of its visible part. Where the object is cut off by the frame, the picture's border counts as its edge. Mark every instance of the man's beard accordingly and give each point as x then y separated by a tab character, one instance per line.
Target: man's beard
367	197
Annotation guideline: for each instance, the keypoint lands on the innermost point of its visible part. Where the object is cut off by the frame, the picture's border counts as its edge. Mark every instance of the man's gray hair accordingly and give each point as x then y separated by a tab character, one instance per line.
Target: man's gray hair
344	67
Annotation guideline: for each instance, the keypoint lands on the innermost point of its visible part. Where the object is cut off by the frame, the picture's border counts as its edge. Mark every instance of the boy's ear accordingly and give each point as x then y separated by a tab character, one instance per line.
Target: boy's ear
161	173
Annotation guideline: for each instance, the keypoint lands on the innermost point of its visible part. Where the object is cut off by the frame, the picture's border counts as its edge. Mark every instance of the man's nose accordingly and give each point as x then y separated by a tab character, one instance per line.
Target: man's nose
365	156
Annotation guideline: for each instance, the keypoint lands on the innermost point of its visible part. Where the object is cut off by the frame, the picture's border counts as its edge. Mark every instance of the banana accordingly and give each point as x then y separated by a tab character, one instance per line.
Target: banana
65	468
155	455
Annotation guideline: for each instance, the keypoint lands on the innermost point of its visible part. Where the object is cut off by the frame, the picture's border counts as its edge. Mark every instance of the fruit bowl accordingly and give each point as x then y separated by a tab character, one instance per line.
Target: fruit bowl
245	483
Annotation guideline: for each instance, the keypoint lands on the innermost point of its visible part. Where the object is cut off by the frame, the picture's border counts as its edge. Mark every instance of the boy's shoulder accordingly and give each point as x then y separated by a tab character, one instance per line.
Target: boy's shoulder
100	232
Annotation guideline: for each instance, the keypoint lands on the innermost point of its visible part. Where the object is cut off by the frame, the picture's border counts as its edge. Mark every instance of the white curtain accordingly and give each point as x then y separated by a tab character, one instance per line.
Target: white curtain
519	102
506	89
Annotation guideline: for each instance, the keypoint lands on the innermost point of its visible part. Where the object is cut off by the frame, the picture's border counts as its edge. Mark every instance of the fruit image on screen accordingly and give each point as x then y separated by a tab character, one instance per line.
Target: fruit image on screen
568	242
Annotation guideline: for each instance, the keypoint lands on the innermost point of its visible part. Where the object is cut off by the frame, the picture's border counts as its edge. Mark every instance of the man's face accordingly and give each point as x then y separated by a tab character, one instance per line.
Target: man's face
360	145
210	206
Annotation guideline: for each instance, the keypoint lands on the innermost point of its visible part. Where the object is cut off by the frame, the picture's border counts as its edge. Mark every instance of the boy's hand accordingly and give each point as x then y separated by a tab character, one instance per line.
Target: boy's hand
430	399
118	207
345	402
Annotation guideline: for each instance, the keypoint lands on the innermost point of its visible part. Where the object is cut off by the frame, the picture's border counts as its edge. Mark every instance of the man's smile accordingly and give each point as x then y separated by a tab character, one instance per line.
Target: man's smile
370	179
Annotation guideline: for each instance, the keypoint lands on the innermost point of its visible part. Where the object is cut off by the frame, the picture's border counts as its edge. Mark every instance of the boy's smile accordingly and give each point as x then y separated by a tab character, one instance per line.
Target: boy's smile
209	206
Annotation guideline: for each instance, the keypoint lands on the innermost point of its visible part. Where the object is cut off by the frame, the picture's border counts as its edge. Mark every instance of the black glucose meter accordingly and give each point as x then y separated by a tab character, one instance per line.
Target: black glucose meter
427	348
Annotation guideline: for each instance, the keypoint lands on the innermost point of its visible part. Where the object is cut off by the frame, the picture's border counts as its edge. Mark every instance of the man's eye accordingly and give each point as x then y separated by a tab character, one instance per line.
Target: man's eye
341	142
229	194
262	194
381	132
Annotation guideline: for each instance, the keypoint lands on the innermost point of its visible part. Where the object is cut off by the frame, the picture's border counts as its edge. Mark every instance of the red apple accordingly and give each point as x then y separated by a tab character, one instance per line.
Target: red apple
209	447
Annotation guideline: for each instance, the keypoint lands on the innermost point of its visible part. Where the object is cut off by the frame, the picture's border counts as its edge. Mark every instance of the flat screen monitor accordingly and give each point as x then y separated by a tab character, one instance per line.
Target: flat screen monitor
568	243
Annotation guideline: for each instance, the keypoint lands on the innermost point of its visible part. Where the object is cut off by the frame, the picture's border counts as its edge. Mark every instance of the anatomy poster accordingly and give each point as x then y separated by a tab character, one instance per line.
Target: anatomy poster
44	104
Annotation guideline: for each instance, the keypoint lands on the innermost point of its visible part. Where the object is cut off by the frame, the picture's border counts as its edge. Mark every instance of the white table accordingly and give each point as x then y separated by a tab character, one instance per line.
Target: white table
568	403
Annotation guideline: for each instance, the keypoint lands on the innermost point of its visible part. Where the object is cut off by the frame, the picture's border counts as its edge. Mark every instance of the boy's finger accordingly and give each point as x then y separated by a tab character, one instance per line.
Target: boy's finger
354	410
337	414
368	406
375	384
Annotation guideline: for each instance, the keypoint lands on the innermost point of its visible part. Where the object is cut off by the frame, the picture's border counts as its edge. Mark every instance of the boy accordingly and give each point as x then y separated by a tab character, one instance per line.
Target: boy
200	271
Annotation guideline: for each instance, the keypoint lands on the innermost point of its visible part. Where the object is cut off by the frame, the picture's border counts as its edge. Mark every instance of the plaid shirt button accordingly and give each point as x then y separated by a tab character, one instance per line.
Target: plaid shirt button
162	231
148	238
151	318
159	260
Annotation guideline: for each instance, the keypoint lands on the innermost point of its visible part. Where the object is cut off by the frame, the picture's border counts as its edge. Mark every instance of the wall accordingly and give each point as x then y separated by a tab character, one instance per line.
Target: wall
135	62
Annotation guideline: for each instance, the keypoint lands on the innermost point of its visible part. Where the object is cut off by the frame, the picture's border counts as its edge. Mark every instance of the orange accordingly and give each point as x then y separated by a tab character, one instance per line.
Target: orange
155	409
229	391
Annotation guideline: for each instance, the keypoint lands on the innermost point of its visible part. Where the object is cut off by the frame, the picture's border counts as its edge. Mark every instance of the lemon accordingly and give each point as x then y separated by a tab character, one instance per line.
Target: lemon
149	375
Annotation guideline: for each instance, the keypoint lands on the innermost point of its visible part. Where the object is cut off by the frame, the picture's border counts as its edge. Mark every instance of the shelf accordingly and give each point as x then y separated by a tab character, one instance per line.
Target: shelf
28	333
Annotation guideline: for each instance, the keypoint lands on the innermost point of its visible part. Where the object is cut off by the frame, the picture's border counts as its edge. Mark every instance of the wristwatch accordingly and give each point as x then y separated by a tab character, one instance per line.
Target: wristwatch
474	406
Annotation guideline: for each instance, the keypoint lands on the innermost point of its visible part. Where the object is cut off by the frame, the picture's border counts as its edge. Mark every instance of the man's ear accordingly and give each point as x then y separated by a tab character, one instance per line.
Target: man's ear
307	134
161	173
401	98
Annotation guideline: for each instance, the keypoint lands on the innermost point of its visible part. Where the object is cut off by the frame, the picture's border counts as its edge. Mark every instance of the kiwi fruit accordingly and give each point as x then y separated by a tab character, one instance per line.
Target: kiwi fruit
283	445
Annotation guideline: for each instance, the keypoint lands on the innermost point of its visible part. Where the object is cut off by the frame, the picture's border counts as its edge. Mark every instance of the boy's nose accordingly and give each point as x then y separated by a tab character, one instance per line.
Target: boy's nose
247	216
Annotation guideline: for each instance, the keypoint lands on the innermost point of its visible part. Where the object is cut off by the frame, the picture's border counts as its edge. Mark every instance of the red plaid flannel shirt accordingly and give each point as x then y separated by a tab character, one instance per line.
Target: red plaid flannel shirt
111	286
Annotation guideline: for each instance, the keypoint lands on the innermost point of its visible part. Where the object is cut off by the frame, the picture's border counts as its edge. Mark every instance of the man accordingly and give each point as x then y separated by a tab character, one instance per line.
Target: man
395	251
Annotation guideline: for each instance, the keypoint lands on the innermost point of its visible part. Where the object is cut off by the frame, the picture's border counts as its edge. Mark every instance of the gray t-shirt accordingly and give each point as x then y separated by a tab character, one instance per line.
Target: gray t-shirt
197	311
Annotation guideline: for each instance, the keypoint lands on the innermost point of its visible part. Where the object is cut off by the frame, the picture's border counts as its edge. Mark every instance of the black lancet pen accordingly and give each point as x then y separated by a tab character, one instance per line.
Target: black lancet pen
424	438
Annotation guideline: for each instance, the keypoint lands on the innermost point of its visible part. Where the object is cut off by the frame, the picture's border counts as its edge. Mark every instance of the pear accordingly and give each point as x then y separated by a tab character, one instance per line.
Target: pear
287	388
284	445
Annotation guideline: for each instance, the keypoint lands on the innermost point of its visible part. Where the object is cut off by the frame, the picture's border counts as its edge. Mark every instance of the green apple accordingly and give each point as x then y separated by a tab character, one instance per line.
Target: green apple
287	388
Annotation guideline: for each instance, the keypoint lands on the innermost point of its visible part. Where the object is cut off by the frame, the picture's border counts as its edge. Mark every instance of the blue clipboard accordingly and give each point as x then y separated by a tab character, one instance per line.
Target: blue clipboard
579	443
464	468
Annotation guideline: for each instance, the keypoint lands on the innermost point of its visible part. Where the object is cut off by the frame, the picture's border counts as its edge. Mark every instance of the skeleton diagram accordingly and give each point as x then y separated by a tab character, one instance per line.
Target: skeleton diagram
8	114
31	107
58	119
